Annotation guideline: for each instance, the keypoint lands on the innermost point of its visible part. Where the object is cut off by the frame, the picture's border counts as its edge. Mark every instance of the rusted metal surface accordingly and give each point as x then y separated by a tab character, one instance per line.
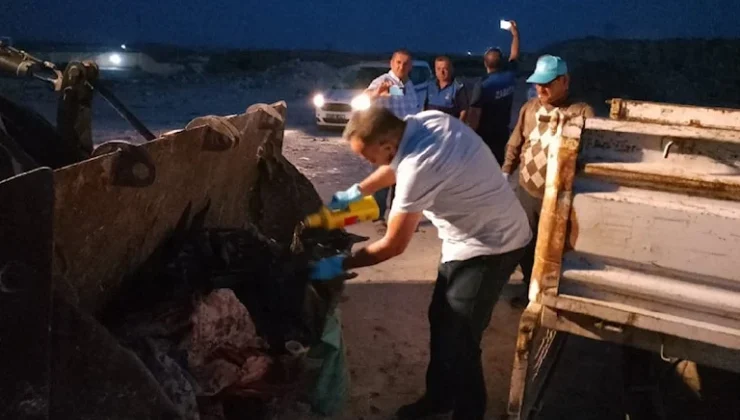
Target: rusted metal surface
552	232
199	170
528	324
556	204
656	233
674	131
26	204
666	345
676	115
597	321
705	157
638	159
640	176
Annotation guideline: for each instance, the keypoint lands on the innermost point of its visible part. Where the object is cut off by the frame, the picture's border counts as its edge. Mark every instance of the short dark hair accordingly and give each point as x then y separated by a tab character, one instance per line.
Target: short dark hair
402	51
443	58
373	125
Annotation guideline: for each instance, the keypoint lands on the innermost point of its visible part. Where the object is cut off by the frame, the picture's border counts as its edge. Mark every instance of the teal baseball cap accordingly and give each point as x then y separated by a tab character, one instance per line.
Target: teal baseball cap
548	68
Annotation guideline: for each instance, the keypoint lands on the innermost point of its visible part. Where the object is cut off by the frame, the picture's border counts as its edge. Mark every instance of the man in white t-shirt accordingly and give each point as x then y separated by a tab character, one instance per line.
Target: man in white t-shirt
444	171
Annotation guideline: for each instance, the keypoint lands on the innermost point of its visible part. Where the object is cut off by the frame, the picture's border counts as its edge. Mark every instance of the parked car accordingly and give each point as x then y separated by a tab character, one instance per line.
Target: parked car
334	106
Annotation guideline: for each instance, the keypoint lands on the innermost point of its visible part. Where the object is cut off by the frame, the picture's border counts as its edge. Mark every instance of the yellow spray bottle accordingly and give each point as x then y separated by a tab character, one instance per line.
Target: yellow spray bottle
363	210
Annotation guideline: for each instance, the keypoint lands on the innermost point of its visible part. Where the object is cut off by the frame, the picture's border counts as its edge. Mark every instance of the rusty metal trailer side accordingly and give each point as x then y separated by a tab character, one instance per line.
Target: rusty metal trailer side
639	246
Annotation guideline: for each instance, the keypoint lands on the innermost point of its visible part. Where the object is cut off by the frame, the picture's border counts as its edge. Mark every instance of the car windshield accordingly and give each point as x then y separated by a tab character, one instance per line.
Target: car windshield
360	78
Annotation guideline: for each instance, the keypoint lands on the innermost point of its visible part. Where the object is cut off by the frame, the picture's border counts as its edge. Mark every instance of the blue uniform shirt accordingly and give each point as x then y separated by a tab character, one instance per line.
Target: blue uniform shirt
494	95
451	100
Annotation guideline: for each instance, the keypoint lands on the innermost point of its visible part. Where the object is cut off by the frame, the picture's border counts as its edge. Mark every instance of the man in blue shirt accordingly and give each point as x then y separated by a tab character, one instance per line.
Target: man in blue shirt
493	96
446	94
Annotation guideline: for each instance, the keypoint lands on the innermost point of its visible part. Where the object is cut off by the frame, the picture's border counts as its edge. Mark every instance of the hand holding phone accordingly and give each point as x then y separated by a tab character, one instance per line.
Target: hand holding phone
505	25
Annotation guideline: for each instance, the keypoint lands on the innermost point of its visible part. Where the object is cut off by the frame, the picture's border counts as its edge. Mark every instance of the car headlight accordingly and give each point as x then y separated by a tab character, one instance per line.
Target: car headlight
318	100
360	102
115	59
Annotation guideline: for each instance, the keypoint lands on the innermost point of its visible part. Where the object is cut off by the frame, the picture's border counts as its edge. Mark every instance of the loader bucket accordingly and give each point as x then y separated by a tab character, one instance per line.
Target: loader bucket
71	238
113	210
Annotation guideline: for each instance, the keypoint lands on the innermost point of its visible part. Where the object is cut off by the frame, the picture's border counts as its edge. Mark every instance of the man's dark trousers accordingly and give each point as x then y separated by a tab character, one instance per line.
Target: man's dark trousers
533	207
496	141
463	300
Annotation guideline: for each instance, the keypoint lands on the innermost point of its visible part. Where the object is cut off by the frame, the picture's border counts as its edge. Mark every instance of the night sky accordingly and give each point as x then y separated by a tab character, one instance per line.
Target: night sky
351	25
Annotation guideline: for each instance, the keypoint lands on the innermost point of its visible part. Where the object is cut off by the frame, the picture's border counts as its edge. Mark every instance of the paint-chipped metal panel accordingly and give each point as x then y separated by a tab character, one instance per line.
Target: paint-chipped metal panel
645	237
675	131
643	159
615	146
120	206
692	235
664	344
656	217
626	315
675	115
703	299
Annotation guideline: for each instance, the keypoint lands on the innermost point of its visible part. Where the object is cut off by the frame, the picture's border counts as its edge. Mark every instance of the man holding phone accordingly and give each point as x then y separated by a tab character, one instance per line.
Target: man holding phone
493	96
395	92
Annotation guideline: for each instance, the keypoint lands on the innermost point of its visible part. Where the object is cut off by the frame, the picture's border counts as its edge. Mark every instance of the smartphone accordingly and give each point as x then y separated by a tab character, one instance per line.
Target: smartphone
395	91
505	25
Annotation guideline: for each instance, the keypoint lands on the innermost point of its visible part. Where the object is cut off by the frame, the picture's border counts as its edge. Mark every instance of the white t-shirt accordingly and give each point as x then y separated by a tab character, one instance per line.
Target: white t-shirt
444	170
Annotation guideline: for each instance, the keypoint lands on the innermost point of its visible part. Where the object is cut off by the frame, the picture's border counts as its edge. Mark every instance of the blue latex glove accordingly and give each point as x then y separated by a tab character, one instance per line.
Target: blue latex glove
342	199
328	268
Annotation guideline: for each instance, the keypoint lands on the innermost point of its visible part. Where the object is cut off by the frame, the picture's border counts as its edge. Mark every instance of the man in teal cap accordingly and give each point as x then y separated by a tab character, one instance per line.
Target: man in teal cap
528	145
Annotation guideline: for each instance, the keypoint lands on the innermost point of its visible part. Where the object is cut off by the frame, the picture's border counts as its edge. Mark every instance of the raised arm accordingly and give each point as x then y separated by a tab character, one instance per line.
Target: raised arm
514	54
